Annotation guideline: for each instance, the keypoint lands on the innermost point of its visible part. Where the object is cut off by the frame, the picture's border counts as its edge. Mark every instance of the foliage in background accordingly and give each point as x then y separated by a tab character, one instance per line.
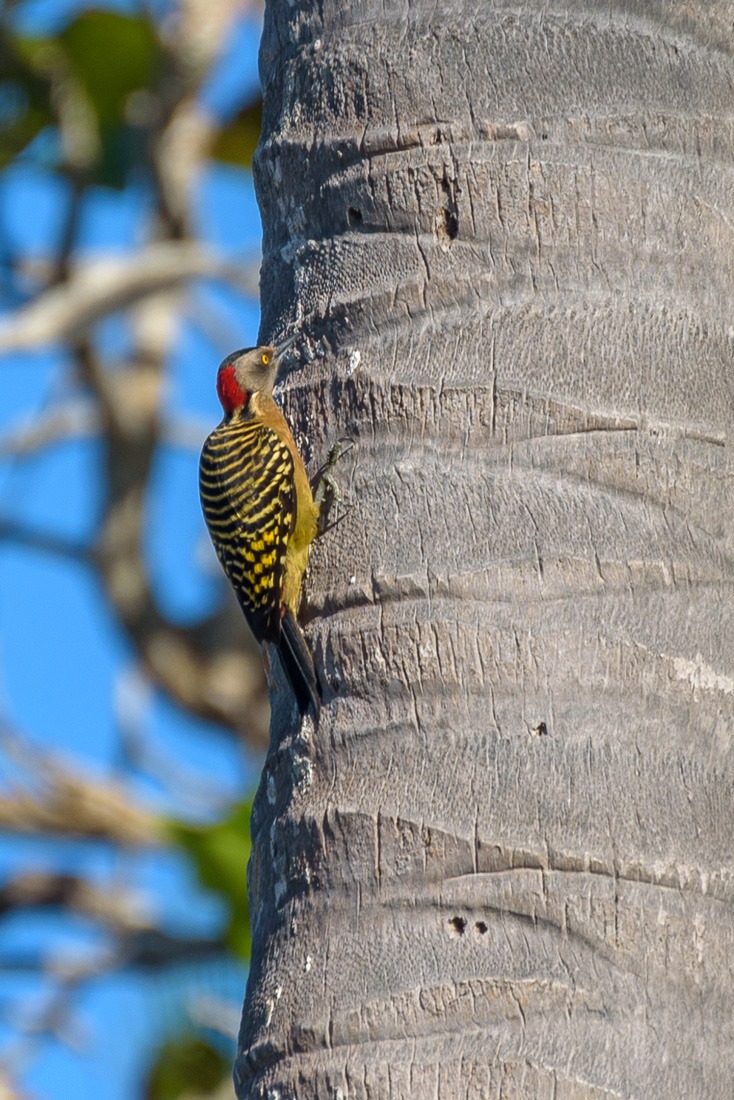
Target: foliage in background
115	101
186	1065
219	853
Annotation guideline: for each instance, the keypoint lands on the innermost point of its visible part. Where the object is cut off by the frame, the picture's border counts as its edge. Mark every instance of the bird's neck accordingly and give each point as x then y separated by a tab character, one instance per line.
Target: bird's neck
260	405
239	413
262	402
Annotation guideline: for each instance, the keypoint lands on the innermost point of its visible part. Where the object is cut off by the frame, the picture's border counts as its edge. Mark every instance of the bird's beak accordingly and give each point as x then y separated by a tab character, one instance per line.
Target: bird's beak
281	348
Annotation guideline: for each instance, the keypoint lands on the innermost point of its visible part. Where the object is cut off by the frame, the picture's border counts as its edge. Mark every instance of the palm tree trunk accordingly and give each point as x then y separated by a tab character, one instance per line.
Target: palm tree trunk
504	864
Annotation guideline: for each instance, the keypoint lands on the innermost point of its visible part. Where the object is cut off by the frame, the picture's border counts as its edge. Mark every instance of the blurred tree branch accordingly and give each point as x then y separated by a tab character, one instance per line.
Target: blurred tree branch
113	121
211	669
44	542
80	419
55	800
97	288
74	420
118	910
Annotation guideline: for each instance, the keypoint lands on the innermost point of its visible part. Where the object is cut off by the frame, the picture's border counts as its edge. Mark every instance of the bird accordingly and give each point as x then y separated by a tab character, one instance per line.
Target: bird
260	511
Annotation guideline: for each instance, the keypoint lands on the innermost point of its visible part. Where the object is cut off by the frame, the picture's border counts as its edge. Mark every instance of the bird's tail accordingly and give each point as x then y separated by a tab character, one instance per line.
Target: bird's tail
298	664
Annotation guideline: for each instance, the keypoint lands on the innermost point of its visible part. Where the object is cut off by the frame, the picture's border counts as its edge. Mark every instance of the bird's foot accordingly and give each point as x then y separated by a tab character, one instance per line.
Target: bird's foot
325	486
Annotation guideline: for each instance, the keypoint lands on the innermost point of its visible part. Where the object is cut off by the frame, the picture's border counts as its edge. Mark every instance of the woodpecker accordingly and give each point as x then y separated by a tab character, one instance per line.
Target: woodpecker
260	511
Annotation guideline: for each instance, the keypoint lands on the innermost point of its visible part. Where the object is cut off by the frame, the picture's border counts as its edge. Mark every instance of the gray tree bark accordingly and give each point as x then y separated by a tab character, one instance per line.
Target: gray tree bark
504	864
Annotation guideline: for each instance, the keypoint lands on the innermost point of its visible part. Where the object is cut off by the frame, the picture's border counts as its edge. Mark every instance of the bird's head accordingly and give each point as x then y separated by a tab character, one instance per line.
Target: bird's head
249	371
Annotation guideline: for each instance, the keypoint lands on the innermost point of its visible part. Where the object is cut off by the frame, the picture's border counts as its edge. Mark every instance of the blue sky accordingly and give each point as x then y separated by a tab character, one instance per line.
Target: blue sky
63	658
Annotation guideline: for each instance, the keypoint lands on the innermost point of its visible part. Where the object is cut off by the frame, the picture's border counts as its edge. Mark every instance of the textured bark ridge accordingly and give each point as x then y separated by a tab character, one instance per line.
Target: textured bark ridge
504	865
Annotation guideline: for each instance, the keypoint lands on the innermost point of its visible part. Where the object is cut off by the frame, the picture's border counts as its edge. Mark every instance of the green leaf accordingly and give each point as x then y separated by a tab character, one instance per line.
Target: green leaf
186	1065
111	56
96	65
235	143
220	853
103	59
25	100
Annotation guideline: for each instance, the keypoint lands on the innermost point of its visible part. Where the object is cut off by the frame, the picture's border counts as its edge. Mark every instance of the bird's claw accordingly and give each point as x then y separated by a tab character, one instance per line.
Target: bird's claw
327	484
327	491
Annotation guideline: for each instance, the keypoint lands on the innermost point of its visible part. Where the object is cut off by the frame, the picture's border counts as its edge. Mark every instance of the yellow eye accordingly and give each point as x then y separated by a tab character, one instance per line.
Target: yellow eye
265	360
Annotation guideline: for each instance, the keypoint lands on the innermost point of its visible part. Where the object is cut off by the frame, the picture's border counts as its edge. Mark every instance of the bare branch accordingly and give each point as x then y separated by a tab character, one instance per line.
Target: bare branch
101	287
146	949
215	1014
195	36
69	804
154	949
80	420
43	542
118	909
179	155
75	420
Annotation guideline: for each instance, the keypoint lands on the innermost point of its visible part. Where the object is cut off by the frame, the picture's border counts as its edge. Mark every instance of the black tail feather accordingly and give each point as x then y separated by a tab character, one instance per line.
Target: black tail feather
298	665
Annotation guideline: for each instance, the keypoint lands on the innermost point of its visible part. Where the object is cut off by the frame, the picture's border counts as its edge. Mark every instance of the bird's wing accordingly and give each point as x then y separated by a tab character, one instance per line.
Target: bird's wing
248	495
